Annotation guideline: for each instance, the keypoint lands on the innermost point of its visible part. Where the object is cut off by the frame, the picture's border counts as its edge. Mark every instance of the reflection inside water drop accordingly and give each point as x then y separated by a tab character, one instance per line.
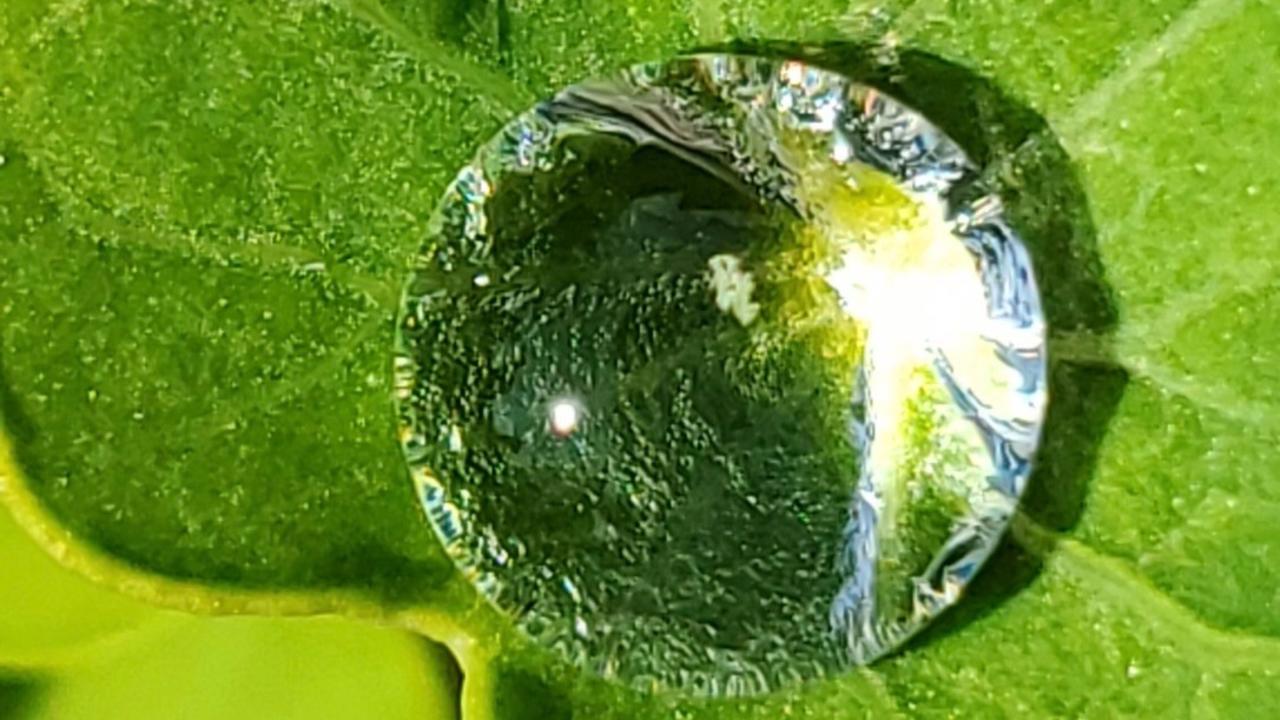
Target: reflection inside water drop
711	383
564	417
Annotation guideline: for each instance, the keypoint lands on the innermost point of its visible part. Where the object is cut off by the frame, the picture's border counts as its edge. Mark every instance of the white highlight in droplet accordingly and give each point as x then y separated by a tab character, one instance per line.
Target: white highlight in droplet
564	417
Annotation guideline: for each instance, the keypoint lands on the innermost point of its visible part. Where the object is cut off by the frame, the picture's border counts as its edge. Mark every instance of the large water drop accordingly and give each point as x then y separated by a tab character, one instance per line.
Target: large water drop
720	374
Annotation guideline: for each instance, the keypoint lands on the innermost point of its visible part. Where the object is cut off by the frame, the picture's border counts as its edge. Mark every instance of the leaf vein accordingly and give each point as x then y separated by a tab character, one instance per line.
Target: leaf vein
99	222
1117	582
1177	36
1094	102
297	384
503	95
1242	278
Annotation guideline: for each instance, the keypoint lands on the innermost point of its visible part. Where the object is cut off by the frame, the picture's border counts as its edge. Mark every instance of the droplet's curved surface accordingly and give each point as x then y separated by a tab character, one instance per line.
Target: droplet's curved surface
720	374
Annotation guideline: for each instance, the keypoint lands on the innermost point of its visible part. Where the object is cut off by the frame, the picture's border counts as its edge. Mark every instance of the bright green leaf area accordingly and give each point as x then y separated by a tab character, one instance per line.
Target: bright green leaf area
71	649
50	616
257	668
206	212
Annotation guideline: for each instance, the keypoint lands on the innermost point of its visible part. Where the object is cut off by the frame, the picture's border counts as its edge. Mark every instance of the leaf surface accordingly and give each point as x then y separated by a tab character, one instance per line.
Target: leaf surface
206	212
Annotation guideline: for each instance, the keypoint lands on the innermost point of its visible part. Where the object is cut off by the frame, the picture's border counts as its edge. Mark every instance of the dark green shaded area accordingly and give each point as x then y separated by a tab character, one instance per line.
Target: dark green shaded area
17	695
522	695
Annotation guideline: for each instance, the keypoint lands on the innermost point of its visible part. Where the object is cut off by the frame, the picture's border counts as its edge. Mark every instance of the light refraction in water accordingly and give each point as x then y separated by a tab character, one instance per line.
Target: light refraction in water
720	374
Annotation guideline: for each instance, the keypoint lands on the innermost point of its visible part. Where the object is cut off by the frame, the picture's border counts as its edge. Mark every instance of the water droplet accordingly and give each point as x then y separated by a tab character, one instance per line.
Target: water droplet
755	396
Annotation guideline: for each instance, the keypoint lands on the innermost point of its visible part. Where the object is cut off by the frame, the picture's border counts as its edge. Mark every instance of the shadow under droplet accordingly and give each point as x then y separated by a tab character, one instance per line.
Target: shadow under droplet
1044	200
519	694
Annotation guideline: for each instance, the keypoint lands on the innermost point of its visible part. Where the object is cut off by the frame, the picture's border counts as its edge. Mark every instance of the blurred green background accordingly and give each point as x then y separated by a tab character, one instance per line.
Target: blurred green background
72	650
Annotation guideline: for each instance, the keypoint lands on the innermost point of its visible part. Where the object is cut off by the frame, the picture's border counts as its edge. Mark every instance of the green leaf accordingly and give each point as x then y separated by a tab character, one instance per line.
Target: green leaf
70	648
205	214
50	616
256	667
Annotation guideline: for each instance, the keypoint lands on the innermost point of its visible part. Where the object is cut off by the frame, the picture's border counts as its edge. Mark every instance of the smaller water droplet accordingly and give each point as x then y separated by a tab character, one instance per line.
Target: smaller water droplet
481	280
1201	168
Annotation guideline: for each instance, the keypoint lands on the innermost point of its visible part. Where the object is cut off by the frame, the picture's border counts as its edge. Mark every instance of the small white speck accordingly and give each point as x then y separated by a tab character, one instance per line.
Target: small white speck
571	590
138	416
1132	671
455	439
1252	190
3	160
792	73
841	149
580	627
733	287
267	315
564	417
1124	124
1201	168
93	395
481	280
